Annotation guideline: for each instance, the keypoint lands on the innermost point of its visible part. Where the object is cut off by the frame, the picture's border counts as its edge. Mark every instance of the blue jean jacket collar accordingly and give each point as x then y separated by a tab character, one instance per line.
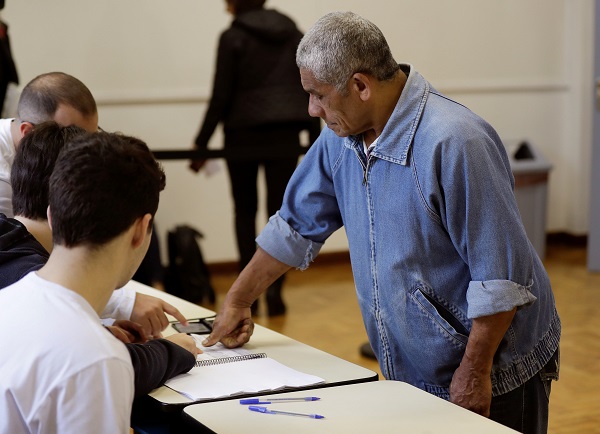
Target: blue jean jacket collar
397	136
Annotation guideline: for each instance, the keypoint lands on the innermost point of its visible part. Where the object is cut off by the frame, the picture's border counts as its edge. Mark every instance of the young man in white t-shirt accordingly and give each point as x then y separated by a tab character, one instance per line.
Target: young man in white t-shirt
66	100
61	371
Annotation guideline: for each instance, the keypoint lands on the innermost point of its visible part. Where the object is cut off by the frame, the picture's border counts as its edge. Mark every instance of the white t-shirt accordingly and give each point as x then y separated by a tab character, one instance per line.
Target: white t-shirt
120	305
7	156
60	370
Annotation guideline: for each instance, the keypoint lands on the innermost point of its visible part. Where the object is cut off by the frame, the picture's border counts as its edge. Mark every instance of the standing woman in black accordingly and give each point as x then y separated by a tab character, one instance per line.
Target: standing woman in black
258	96
8	70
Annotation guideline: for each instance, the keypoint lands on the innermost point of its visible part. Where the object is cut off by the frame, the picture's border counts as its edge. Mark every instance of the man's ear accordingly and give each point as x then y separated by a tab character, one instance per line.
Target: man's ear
49	216
25	128
361	84
141	230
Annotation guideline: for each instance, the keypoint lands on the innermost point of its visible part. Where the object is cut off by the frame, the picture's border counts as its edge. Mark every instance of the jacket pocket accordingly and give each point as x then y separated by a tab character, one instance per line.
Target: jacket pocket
430	348
438	313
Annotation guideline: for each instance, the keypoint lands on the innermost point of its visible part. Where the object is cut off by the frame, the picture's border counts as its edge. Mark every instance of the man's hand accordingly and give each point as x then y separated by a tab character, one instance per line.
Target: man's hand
232	327
471	390
134	331
128	332
471	385
122	335
186	342
196	165
150	311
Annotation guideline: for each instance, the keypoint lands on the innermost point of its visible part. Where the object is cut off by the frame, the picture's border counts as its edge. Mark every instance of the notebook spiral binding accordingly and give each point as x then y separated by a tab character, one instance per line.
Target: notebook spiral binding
212	362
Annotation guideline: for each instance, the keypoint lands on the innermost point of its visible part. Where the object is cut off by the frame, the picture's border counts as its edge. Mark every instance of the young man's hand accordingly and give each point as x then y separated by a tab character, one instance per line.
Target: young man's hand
128	331
150	311
186	342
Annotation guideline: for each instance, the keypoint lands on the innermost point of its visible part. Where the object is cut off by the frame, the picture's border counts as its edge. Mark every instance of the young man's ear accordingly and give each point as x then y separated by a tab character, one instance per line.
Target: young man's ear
25	128
49	216
142	229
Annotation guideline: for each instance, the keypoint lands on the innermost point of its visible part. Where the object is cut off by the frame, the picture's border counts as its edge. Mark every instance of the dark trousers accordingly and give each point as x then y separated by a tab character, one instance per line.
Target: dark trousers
265	141
243	176
525	409
3	89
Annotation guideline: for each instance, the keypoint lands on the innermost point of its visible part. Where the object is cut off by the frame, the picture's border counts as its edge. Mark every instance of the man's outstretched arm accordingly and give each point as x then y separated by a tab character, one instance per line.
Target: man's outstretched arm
233	325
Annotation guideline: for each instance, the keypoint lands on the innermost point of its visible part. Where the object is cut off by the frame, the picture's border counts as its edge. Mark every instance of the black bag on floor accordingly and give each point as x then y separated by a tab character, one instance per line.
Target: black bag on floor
187	276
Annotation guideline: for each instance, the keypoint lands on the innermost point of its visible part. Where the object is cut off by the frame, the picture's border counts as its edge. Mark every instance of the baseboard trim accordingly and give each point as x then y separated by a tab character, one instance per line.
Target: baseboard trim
326	258
566	239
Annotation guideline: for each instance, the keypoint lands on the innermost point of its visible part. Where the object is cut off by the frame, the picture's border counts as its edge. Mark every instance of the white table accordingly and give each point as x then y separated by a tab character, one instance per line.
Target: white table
296	355
373	407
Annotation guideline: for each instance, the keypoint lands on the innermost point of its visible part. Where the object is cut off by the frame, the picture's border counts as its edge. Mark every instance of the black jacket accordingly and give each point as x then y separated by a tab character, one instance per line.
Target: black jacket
153	362
20	252
8	70
257	82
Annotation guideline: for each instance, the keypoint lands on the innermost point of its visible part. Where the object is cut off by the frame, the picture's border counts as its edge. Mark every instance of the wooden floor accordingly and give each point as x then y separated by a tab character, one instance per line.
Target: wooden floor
323	312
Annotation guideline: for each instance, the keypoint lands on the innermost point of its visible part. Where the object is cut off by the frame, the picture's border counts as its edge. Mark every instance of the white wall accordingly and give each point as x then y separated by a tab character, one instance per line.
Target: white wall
524	65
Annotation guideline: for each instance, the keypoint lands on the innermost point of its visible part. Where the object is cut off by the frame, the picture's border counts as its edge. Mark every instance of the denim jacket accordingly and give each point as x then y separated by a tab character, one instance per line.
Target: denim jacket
435	240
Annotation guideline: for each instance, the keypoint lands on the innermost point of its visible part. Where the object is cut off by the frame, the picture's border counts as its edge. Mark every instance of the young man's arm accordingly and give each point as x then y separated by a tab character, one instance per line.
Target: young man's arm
146	310
156	361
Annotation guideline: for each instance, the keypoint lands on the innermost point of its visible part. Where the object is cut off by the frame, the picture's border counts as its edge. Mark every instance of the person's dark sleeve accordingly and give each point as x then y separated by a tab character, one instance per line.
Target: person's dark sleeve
223	88
157	361
19	269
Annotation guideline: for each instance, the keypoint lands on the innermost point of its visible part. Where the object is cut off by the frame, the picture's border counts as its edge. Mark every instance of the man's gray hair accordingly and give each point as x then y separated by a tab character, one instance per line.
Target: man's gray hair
341	44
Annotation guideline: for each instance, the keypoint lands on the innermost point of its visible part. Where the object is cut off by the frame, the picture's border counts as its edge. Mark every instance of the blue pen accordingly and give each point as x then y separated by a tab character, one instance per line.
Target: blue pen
271	400
288	413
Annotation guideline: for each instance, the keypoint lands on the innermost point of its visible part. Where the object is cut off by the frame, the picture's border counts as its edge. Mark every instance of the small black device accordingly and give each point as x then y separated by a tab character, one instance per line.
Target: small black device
203	326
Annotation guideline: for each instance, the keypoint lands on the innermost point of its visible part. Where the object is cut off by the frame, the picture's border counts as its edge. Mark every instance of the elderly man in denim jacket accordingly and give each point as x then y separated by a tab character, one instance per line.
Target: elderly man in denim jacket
454	298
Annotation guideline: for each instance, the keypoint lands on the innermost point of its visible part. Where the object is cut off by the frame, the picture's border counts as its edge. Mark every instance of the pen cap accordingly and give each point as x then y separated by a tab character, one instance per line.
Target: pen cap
249	401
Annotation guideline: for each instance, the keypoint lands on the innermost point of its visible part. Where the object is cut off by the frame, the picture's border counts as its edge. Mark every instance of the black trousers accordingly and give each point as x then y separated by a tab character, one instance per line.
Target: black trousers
3	89
243	176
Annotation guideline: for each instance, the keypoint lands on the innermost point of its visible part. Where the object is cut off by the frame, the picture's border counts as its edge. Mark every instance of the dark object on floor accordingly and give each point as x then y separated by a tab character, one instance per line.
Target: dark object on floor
187	275
275	304
151	271
367	351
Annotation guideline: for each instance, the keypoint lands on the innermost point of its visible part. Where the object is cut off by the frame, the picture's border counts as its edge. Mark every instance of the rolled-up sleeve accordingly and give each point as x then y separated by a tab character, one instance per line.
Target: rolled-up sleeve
493	296
283	243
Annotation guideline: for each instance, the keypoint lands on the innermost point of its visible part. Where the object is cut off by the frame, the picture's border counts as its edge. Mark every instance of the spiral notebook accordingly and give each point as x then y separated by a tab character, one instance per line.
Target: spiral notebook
221	372
221	361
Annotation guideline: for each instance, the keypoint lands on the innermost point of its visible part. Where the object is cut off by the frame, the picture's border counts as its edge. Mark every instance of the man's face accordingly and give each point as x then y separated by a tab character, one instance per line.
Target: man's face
66	115
341	113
